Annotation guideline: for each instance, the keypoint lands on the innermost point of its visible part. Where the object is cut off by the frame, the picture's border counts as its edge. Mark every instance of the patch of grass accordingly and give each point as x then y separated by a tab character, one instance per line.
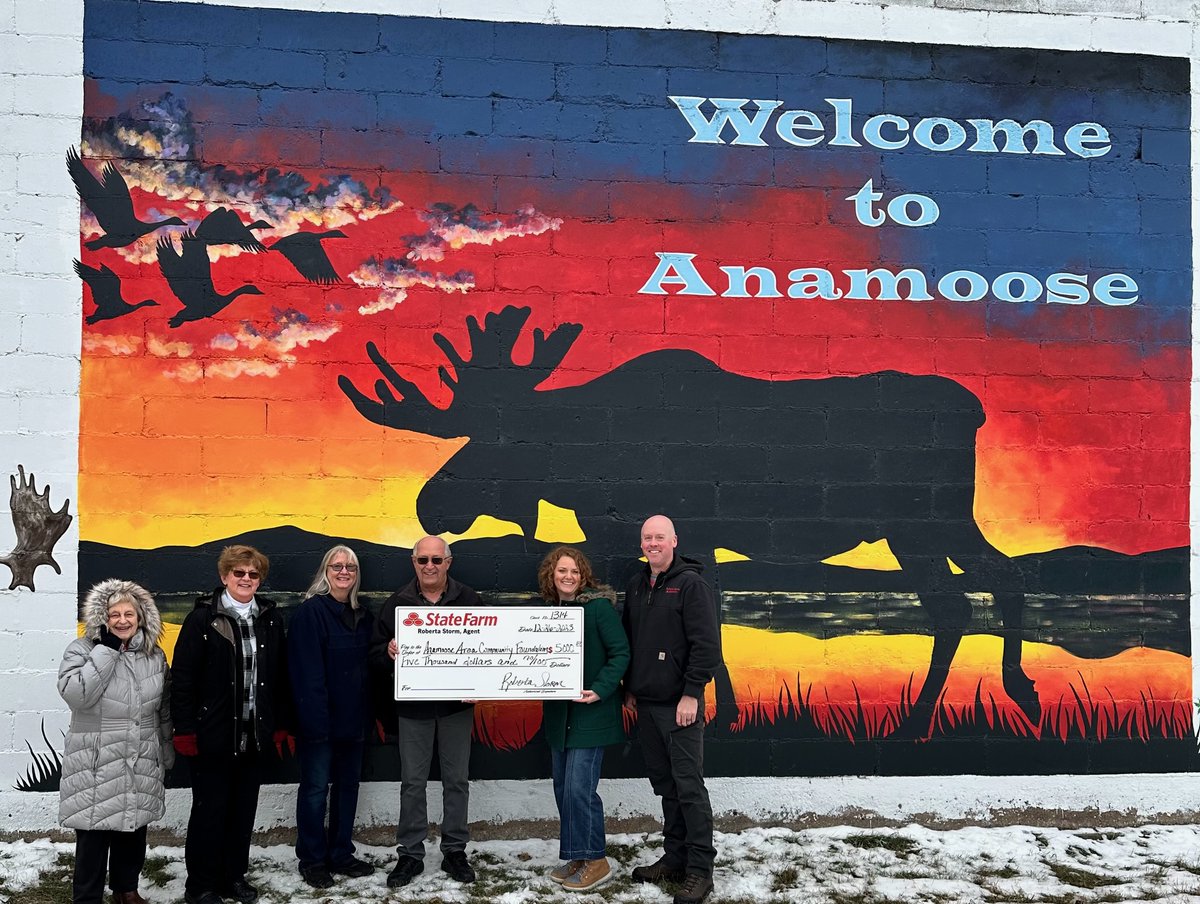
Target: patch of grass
785	878
53	886
1096	835
485	857
1188	866
624	853
155	870
852	897
1008	871
1156	874
492	885
1081	878
1015	897
898	844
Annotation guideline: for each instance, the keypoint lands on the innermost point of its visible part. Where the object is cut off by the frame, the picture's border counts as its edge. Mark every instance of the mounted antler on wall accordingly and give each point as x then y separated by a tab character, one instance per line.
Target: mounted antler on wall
38	529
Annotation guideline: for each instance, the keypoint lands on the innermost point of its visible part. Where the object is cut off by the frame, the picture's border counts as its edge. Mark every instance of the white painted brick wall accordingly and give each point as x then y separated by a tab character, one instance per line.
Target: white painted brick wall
1169	10
48	17
40	104
833	20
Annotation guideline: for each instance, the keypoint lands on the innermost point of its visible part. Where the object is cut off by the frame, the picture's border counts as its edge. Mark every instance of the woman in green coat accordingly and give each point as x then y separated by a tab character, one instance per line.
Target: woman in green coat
579	730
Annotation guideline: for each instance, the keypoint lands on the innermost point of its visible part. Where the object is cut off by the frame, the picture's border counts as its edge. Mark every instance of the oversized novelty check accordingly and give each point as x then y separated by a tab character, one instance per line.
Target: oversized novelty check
489	653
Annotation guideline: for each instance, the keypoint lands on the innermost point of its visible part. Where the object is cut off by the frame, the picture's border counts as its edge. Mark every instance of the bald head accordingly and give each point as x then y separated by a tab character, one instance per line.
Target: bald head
658	542
431	561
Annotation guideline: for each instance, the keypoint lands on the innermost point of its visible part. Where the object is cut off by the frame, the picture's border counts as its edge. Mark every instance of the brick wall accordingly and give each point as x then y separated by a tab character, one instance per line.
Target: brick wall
40	104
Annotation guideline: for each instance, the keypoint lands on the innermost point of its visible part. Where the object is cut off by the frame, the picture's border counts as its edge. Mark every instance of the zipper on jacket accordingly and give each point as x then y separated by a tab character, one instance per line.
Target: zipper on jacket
233	667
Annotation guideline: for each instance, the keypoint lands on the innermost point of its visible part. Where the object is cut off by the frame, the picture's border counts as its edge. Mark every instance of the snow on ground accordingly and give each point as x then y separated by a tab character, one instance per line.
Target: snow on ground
812	866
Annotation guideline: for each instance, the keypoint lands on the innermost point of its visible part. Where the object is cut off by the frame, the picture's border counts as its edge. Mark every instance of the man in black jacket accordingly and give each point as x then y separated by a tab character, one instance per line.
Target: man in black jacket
420	722
671	619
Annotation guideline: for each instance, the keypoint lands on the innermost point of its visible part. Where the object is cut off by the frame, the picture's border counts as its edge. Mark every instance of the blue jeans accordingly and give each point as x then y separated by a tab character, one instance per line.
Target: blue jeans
323	763
576	773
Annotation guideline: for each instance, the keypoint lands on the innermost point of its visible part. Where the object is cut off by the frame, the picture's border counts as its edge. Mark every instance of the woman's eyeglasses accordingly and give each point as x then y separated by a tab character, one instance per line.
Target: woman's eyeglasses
243	573
425	560
339	566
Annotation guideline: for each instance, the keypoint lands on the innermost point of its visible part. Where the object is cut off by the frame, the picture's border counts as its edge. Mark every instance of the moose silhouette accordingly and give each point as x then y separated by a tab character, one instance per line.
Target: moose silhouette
790	471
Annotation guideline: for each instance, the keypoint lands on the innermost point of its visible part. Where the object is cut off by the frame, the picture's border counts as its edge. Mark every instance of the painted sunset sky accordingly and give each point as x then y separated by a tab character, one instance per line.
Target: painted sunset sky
472	165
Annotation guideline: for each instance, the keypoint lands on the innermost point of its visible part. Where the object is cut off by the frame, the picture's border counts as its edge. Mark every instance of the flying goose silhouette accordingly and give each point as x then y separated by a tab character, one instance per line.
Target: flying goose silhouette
303	250
109	200
106	293
190	277
224	227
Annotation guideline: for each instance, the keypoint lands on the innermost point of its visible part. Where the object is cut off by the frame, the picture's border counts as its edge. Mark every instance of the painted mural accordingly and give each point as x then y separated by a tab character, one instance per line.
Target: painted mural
899	335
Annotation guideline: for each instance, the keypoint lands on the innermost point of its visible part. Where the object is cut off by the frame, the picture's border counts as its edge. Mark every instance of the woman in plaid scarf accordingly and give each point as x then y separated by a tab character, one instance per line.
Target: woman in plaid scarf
229	689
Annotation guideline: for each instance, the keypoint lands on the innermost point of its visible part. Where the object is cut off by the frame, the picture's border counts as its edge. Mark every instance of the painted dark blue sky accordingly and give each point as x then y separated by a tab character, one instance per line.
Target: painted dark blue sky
572	108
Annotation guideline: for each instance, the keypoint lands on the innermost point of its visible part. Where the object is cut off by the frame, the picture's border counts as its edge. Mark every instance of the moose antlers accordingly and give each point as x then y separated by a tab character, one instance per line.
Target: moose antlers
38	529
485	378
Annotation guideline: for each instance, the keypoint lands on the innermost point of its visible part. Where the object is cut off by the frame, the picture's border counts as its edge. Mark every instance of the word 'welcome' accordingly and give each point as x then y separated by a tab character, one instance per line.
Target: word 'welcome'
885	131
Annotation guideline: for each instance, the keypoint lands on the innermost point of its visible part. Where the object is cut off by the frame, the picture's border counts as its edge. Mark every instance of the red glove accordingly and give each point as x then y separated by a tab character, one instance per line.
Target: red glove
186	744
280	737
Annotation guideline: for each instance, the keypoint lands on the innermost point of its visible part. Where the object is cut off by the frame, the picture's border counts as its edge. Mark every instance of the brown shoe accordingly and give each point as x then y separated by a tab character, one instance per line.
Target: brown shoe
658	871
128	897
588	876
565	871
695	889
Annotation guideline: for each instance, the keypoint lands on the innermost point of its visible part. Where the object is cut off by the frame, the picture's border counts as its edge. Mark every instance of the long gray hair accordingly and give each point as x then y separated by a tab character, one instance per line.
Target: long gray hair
320	584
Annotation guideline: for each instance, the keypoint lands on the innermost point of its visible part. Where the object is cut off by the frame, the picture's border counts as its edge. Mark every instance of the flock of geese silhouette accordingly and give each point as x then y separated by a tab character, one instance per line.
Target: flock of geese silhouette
188	272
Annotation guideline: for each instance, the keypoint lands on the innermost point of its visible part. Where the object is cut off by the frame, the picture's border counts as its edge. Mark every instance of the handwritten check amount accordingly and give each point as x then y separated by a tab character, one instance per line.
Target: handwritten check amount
489	653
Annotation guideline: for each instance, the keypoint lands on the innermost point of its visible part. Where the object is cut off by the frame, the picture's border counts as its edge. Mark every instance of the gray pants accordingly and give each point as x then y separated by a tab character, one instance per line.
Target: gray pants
453	735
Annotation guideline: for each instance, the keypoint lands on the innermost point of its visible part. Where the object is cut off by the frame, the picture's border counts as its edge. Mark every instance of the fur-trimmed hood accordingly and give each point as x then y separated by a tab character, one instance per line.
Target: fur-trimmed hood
100	597
603	592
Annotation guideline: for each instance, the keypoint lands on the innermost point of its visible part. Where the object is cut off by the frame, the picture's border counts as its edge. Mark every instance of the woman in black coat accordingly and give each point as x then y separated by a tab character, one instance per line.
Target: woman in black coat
328	639
230	701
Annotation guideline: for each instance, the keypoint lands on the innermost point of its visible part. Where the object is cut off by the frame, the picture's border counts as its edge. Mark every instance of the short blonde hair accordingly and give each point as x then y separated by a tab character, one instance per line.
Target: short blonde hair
241	554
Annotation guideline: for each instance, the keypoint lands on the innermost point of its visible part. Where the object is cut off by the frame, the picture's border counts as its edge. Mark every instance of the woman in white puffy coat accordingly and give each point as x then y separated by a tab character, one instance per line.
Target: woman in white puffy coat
116	682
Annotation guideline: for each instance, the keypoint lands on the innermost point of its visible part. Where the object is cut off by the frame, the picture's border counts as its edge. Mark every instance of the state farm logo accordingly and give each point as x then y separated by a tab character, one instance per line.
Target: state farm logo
413	619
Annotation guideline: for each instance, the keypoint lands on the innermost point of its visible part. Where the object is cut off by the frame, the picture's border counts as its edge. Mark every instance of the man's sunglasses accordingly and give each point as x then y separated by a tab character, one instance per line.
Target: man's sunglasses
425	560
